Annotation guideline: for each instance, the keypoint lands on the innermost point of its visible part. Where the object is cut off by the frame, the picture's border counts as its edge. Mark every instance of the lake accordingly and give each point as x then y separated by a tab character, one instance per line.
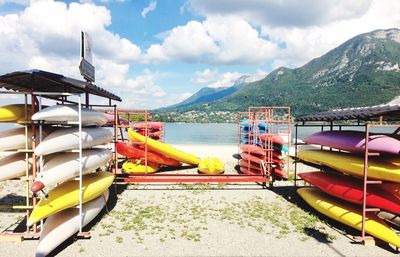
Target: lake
223	133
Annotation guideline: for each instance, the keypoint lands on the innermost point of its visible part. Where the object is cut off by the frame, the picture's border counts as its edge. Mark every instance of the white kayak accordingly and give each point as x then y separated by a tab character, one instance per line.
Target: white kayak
62	225
68	139
14	139
65	166
68	113
13	166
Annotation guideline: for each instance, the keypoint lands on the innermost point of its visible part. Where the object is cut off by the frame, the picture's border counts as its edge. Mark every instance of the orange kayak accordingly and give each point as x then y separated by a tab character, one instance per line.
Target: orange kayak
134	152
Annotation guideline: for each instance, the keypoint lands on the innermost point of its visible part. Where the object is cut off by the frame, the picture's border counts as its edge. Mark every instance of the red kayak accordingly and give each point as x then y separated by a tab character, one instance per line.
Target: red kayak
152	126
151	134
252	165
257	158
275	139
247	171
351	190
279	174
137	153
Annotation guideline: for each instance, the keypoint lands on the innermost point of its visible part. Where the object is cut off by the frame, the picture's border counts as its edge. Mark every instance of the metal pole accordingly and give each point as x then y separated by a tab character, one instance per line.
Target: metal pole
365	177
80	163
295	154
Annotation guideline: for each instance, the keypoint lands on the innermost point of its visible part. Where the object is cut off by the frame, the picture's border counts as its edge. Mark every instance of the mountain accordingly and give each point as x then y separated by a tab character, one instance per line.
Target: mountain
210	94
363	71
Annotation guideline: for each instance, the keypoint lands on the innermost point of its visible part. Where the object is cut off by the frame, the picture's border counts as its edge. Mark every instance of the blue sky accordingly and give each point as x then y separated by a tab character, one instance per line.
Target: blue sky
158	52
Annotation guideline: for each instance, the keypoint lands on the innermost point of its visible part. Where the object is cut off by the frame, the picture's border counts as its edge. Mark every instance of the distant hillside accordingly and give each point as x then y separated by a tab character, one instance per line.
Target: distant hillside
209	94
362	71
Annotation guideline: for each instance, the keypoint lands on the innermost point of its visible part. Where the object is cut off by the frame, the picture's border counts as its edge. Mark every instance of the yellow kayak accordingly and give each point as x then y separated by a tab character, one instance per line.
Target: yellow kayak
14	113
66	195
353	164
347	214
164	149
137	168
211	166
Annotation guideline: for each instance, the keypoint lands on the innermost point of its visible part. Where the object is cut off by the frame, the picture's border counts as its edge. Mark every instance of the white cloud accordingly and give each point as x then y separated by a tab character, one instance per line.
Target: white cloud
285	13
219	40
151	7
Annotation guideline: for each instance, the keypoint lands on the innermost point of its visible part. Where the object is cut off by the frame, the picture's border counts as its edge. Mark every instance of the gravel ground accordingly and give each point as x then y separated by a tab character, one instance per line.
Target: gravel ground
201	220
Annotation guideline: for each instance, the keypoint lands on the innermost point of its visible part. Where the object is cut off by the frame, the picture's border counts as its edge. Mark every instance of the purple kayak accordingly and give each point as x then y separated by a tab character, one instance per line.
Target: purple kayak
354	141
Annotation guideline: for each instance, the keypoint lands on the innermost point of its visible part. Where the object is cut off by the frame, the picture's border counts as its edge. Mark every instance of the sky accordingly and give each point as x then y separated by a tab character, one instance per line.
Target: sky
155	53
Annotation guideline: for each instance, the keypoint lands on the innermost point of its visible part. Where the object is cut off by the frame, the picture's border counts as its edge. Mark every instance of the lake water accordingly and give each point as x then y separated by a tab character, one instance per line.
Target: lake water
223	133
216	133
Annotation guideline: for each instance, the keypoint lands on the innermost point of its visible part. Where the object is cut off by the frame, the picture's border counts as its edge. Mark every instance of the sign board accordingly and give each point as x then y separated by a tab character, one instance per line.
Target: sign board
86	65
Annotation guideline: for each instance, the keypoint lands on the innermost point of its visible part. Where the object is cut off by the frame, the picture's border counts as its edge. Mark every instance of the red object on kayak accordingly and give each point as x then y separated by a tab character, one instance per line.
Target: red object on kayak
137	153
351	190
153	126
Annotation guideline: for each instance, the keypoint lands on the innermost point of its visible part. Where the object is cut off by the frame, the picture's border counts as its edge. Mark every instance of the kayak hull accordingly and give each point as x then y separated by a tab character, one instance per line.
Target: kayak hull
349	215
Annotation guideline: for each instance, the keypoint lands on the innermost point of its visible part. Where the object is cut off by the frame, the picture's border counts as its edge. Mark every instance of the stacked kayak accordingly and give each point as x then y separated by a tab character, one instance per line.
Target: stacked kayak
161	154
257	156
153	130
14	164
339	193
251	130
62	165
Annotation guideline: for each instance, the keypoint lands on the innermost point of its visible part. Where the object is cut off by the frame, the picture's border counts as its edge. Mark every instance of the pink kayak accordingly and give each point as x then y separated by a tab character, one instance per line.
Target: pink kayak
354	141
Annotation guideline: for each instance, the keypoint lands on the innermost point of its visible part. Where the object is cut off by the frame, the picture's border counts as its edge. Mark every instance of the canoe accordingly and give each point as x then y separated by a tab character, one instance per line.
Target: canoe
110	119
211	166
13	166
61	226
135	152
258	159
151	126
249	171
278	173
152	134
349	215
164	149
351	190
353	164
251	165
259	124
275	139
391	218
137	168
65	166
66	195
14	113
393	188
68	113
68	139
14	139
354	141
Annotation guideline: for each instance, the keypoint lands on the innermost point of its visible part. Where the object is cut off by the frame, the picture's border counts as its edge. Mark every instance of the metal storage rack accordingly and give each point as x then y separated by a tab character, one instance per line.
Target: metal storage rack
276	119
193	178
41	84
365	118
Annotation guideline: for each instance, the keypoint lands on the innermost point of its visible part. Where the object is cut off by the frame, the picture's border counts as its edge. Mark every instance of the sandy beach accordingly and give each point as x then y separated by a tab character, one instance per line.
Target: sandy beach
201	220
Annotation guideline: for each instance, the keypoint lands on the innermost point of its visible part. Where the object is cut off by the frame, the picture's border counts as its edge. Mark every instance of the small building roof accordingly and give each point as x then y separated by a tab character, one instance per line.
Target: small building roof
387	112
43	81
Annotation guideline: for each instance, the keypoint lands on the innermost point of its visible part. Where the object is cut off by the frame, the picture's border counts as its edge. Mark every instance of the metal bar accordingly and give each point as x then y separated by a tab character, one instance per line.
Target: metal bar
295	153
80	163
365	178
192	179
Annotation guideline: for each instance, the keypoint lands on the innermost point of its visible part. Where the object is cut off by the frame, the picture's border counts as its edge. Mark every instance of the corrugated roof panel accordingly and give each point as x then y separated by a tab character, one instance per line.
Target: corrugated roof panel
43	81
